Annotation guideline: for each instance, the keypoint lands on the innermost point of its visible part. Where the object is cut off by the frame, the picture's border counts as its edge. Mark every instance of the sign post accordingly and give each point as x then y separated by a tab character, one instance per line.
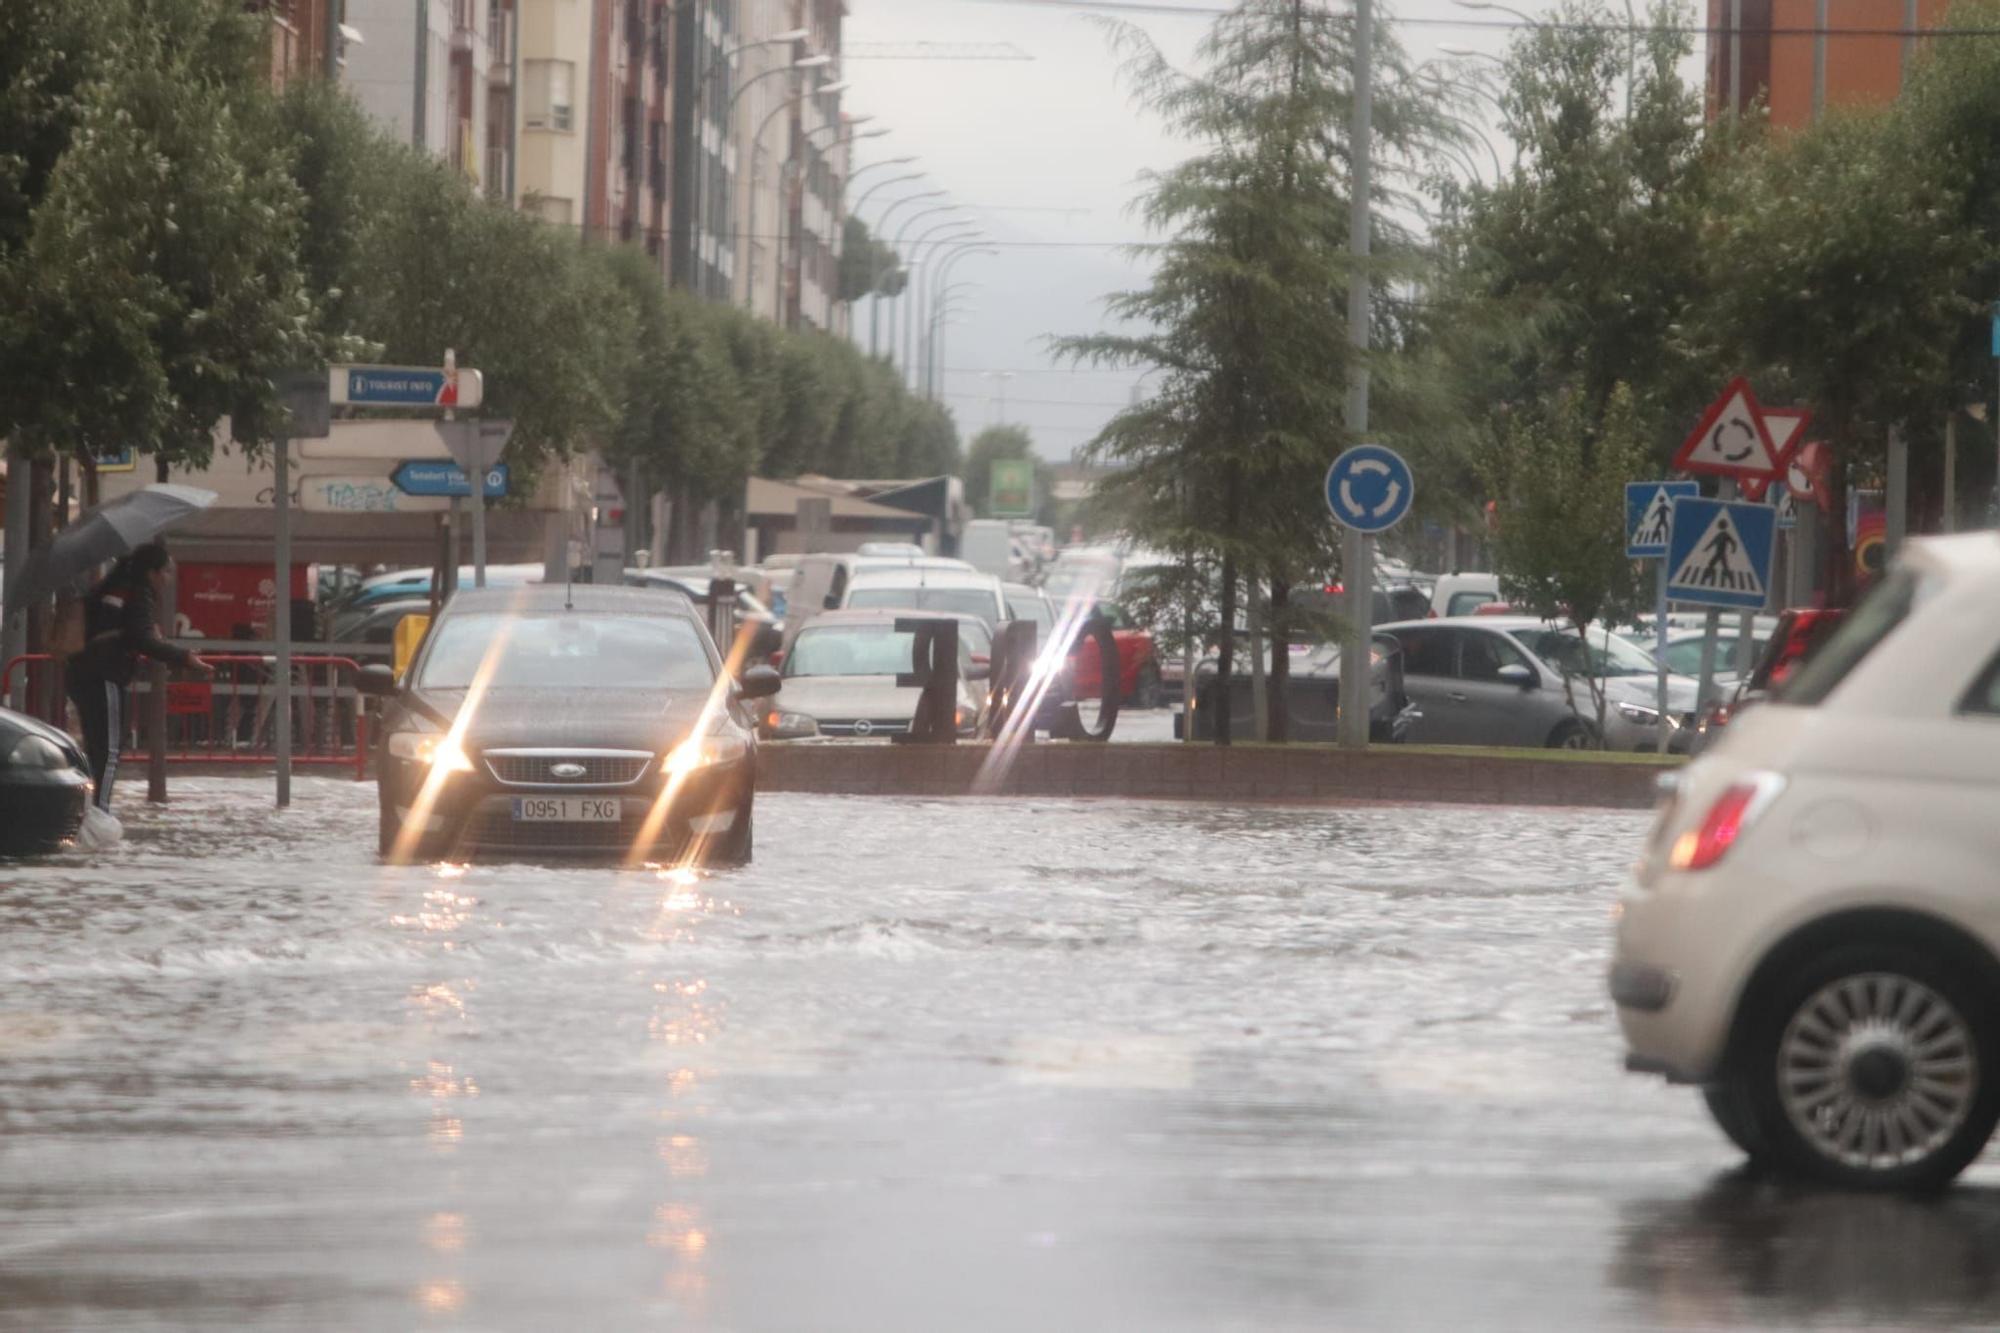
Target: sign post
306	416
1649	522
1369	489
477	446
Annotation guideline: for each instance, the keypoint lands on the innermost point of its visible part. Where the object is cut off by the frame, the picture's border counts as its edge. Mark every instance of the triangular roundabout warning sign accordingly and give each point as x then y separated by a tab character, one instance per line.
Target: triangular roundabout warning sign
1733	439
1720	554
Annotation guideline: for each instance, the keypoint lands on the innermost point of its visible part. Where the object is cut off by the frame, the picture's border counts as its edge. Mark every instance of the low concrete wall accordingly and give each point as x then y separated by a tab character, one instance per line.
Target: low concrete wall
1318	774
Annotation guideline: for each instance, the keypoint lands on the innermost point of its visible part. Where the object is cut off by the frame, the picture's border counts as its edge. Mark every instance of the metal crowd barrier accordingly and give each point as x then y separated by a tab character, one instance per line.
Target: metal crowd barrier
227	720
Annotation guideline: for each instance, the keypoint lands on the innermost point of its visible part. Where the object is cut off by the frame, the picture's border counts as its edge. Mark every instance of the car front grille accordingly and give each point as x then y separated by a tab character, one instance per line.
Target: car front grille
864	726
537	768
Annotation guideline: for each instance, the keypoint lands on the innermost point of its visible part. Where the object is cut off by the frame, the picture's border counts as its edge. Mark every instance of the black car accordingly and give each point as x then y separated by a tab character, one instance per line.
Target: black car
1313	695
44	786
557	721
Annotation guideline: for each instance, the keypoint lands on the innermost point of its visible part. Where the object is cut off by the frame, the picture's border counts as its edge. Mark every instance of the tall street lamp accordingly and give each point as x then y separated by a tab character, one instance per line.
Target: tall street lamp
756	150
696	205
848	132
952	229
703	88
896	302
951	259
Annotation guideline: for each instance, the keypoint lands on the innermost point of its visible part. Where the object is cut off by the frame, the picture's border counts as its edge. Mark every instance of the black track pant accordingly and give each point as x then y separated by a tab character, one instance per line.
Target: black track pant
100	705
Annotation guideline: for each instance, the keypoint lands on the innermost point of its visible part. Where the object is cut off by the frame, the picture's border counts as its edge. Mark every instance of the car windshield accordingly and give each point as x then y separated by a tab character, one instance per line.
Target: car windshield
908	597
1684	656
1037	610
1465	603
1609	655
569	650
869	650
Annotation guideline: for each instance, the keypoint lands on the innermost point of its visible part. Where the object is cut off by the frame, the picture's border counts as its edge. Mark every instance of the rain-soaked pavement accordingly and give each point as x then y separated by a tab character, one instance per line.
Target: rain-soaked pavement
1025	1065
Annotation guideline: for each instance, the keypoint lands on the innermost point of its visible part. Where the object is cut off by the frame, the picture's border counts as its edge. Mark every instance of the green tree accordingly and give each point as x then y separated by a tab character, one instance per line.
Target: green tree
1560	547
868	265
159	267
1241	316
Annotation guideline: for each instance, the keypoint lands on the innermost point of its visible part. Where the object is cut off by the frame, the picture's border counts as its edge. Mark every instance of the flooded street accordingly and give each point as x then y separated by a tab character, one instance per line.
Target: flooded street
1003	1065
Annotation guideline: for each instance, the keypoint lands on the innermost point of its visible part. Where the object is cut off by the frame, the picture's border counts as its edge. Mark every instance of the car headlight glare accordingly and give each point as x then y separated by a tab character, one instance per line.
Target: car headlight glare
443	753
780	725
700	752
33	751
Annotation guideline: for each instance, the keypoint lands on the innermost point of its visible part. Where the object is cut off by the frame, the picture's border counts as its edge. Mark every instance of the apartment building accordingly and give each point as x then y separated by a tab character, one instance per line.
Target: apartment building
423	70
555	59
309	38
1867	46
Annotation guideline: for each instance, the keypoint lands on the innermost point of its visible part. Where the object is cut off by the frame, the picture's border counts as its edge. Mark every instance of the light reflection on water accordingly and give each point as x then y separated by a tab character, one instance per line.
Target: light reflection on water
926	1064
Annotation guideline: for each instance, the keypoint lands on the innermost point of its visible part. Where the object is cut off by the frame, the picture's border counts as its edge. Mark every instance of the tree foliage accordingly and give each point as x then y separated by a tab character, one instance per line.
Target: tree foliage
1242	315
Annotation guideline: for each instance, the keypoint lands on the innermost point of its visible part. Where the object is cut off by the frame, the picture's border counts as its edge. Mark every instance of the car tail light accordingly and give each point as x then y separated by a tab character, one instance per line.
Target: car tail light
1739	806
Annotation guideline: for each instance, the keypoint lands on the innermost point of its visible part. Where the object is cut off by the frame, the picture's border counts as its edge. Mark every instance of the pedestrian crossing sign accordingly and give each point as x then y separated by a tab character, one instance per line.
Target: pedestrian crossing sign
1720	553
1649	515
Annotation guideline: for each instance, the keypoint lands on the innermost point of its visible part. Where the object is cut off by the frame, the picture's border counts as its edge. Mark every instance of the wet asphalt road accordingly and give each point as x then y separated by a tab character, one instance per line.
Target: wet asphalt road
1016	1065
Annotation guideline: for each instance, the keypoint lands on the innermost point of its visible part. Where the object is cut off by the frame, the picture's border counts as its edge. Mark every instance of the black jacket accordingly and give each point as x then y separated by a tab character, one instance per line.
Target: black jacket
119	629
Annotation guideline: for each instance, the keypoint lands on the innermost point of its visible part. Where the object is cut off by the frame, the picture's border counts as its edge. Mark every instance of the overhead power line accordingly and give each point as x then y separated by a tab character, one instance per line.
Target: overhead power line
1507	25
933	51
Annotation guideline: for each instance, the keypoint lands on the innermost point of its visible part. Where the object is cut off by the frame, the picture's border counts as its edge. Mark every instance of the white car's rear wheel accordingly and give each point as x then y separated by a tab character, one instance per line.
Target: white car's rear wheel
1875	1067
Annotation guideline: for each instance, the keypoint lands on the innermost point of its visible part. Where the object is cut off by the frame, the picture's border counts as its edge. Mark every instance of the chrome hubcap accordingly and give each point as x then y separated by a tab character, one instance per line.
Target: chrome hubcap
1877	1071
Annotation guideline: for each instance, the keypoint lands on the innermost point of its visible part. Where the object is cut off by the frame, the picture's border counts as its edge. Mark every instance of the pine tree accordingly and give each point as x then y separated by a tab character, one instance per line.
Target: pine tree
1244	315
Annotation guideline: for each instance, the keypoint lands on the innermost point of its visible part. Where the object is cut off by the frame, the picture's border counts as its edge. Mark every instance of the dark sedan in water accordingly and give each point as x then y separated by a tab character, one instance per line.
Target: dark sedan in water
44	786
552	721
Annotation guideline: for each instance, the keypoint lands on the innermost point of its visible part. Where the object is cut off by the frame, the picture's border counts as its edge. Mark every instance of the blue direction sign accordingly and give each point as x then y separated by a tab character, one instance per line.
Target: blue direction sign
1369	488
1649	515
1720	553
418	477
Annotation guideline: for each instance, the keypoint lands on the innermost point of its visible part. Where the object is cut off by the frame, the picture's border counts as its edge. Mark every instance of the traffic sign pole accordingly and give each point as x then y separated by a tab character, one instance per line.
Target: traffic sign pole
1660	632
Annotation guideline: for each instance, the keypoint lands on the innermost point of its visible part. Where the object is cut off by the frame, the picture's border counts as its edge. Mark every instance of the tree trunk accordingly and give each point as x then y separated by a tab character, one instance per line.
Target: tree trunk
1840	581
1259	676
1232	514
1278	729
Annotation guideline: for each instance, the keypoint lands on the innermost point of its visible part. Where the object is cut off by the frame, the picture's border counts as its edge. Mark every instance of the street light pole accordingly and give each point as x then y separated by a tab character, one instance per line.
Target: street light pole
696	192
951	255
956	228
1355	545
896	306
757	139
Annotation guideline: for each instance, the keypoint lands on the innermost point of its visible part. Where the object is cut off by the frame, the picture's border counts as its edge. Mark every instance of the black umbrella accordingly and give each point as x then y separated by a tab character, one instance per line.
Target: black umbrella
112	529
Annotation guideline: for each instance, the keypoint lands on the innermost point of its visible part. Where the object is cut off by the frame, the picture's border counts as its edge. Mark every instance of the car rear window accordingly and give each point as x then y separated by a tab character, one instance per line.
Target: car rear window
1465	603
1875	619
964	601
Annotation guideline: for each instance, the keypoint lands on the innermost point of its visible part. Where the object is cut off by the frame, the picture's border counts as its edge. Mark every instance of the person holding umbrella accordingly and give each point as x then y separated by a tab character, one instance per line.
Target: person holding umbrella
120	616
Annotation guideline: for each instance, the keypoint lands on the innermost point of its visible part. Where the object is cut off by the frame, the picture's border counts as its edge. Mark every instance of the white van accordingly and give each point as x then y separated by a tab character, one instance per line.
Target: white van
820	582
1463	594
988	546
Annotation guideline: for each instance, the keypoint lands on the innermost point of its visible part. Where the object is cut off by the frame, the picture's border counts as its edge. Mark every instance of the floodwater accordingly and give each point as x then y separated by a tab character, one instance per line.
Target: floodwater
926	1065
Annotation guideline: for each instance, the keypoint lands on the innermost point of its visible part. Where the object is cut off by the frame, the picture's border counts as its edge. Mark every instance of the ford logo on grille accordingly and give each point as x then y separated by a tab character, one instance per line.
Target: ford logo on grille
864	728
569	771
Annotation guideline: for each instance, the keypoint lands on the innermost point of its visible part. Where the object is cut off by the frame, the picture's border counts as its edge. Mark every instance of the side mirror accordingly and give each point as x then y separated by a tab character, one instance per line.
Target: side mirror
377	680
1517	675
831	601
759	682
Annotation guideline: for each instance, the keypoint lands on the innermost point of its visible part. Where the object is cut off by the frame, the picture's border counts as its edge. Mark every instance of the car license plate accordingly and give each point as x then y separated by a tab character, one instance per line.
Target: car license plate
567	810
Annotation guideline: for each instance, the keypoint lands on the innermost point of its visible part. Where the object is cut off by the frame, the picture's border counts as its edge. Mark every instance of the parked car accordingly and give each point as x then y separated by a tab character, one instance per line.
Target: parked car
555	720
1684	652
1799	634
1462	594
375	623
819	582
953	590
1139	678
1812	936
403	584
1519	681
44	786
1313	696
840	678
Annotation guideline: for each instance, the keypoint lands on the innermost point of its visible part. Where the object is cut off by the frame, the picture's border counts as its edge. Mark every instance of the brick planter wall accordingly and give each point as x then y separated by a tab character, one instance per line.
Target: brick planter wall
1315	774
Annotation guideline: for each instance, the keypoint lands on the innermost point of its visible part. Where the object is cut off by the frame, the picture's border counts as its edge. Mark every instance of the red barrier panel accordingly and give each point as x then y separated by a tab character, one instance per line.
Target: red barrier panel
229	720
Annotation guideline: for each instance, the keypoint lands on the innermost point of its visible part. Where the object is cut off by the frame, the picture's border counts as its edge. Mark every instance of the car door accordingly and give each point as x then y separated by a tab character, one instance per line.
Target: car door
1430	678
1496	711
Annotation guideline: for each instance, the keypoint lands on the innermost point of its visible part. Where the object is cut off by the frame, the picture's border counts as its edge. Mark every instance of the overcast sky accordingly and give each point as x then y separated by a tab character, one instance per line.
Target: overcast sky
1048	152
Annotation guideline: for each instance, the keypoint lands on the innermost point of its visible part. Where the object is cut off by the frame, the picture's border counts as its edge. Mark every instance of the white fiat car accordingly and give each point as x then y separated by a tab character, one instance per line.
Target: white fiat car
1813	934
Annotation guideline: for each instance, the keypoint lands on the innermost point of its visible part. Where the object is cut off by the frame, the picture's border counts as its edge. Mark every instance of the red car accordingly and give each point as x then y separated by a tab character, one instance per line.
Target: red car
1138	663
